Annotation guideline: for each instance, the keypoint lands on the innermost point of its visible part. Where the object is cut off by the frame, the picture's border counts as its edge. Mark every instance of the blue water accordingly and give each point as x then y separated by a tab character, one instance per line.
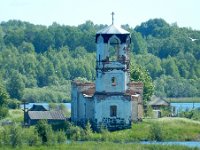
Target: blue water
188	143
46	105
184	106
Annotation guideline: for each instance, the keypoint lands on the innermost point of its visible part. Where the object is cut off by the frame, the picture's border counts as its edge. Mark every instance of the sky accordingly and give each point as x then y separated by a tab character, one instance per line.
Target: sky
186	13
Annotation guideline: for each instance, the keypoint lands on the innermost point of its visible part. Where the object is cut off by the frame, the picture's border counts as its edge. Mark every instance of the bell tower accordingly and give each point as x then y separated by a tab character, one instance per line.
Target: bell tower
112	59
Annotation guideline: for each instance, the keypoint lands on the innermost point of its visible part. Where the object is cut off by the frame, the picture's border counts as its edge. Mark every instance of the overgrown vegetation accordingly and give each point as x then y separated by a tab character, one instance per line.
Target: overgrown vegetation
191	114
164	129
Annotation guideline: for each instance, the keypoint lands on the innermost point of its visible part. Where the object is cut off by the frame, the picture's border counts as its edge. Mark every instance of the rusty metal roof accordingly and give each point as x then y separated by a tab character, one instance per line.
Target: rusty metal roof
112	29
48	115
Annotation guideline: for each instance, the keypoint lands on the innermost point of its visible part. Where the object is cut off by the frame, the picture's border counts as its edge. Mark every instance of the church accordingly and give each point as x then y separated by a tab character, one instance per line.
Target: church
113	101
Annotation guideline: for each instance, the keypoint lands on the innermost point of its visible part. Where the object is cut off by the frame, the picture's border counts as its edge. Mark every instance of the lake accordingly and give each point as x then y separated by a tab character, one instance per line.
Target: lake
178	106
46	105
184	106
185	143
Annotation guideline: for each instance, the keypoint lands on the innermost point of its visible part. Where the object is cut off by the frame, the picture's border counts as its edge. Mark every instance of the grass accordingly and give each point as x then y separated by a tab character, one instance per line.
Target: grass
102	146
184	100
173	129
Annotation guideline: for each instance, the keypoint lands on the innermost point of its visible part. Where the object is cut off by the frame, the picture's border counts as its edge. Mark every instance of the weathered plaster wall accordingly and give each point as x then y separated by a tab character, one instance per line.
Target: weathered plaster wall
102	108
104	81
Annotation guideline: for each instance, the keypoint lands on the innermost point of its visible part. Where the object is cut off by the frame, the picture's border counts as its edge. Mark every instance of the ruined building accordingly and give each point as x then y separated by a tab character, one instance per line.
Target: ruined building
113	100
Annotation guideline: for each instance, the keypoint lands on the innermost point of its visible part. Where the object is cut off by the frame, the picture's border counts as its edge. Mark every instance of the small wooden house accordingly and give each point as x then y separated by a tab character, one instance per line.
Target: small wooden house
158	104
39	112
52	117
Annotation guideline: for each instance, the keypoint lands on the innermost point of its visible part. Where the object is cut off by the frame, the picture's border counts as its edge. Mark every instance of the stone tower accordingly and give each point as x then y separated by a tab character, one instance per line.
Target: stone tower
112	59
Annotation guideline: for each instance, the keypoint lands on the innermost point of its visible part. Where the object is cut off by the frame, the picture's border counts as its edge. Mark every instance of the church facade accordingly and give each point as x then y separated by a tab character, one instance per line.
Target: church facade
113	101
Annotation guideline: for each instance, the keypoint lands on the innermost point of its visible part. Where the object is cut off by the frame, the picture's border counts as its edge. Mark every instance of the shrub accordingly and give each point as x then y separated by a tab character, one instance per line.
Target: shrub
74	133
31	137
5	136
45	132
155	132
149	112
61	137
3	112
88	131
13	104
15	136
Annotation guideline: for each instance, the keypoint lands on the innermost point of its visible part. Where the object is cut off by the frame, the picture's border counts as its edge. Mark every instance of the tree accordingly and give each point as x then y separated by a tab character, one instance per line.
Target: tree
15	85
140	74
139	44
170	67
3	102
45	132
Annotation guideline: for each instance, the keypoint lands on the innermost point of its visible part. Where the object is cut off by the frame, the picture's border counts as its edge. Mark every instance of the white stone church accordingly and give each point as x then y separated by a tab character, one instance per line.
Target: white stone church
113	101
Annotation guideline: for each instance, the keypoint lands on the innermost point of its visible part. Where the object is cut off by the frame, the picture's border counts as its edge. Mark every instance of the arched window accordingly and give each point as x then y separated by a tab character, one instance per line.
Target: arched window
100	39
113	80
113	48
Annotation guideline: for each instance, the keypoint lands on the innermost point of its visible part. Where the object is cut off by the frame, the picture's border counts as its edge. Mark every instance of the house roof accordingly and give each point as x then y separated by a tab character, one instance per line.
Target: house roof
157	101
112	29
48	115
37	108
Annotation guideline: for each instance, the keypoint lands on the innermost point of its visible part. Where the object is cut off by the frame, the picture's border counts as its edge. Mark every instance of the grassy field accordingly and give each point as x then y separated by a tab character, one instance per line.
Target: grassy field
102	146
184	100
172	129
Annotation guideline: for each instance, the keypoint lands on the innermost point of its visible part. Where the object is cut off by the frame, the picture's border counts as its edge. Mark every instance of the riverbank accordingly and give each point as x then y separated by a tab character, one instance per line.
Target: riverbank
103	146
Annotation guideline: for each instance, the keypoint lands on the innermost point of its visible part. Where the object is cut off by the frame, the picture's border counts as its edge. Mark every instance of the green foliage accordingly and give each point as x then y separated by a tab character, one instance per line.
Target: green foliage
38	56
3	102
149	111
155	132
191	114
173	87
44	131
88	131
139	44
140	74
61	137
31	136
3	96
74	133
48	94
16	85
15	136
106	146
13	103
4	136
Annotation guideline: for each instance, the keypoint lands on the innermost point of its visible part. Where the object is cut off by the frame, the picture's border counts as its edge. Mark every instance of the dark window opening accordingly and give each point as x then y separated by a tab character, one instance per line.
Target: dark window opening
113	81
113	111
113	49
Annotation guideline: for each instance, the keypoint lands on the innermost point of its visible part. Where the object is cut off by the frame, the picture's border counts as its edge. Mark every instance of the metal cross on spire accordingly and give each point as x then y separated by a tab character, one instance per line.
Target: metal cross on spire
112	17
